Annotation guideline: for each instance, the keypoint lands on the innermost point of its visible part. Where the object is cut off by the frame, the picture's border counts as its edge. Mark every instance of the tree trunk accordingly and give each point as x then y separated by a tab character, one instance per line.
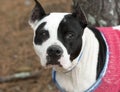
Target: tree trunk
101	12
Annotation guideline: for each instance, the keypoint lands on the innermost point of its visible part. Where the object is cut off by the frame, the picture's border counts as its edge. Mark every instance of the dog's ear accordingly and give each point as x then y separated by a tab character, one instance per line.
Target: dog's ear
37	13
78	13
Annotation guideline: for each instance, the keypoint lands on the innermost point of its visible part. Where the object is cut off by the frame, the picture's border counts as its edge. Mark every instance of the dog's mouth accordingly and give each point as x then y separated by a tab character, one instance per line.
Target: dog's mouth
52	66
52	62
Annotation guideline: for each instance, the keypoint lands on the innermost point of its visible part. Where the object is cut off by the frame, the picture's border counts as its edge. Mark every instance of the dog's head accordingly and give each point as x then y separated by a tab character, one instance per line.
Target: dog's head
57	36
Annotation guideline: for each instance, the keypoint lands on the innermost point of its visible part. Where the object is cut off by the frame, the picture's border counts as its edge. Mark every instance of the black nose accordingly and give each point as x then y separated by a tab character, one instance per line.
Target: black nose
54	51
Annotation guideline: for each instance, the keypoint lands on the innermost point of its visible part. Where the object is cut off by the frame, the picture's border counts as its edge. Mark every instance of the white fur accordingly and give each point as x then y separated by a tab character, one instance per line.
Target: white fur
117	27
52	23
84	74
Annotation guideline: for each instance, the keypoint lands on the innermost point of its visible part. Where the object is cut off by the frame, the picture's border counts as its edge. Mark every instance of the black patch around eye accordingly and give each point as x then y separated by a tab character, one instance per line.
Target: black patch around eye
70	34
41	35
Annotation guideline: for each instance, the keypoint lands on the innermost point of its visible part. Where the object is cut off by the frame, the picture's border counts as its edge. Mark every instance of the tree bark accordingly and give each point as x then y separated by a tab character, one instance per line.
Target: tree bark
101	12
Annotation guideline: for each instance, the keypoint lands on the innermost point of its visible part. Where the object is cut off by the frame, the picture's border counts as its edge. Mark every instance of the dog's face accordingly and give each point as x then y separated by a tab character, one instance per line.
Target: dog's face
57	36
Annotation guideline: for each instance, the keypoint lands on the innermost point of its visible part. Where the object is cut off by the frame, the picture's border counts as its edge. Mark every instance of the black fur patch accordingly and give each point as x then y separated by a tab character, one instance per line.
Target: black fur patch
41	35
70	34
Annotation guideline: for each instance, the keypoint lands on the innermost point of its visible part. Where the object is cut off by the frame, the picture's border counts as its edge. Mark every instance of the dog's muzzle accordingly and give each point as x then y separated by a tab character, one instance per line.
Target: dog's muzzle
54	53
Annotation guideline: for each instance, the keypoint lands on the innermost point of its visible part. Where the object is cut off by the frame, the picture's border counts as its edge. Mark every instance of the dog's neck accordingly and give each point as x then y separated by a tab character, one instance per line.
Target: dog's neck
84	74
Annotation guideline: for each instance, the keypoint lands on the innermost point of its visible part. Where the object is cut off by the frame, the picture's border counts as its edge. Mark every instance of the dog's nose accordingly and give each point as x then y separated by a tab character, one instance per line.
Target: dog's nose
54	51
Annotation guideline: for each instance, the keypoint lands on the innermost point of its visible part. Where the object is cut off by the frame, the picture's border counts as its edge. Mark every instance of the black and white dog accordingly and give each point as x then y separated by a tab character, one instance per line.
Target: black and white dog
77	53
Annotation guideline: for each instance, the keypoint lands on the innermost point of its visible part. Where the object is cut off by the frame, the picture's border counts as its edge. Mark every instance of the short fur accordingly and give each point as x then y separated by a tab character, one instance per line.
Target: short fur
79	43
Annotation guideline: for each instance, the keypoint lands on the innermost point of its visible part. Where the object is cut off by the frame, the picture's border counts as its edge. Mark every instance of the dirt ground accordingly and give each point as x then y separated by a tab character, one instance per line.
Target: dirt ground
16	49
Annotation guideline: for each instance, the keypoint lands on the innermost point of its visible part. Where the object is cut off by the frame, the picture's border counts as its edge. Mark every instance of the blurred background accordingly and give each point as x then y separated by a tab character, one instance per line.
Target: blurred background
20	70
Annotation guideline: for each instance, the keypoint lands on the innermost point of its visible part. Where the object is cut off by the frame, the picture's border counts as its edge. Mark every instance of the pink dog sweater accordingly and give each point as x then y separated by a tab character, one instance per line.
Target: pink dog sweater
109	80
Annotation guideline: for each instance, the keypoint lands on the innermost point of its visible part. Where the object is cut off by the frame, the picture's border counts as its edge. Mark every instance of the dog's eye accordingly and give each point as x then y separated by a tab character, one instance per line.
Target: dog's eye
69	35
43	33
41	36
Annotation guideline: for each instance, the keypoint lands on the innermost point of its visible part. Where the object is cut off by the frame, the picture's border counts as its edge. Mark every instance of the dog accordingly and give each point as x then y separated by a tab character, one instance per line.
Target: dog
83	58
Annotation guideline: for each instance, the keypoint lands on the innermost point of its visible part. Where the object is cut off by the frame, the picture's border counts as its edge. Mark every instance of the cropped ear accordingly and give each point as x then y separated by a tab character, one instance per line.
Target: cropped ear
79	14
37	13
